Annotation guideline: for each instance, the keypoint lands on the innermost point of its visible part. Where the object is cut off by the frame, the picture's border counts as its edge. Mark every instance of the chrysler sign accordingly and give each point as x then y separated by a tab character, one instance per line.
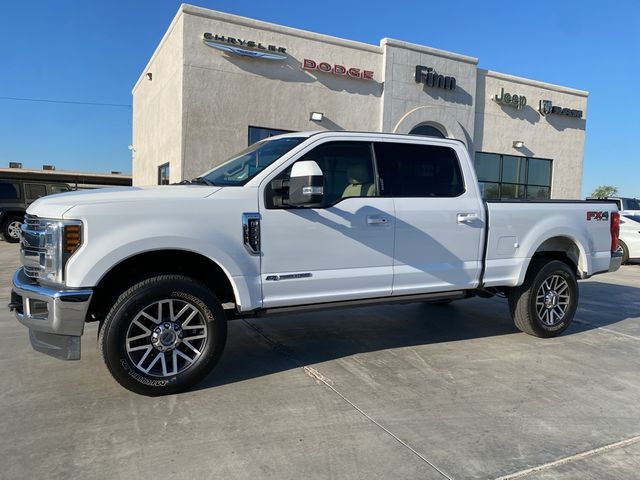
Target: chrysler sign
245	48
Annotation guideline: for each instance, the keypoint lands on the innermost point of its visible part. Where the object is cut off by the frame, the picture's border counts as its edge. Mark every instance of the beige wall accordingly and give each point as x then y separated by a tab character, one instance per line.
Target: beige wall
197	109
157	111
224	94
407	104
555	137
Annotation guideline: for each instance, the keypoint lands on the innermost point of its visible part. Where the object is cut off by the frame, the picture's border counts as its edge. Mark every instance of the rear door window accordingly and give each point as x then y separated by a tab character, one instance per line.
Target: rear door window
34	191
414	170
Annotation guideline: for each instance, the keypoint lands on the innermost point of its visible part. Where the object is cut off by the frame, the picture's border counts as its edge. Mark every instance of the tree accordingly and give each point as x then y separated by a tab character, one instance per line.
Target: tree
604	191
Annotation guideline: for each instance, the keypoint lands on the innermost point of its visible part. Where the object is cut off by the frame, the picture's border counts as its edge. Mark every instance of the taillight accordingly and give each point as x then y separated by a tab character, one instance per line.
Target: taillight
615	230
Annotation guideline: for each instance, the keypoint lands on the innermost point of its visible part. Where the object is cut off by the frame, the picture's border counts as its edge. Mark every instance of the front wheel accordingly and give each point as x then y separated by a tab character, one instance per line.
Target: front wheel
544	305
11	229
163	335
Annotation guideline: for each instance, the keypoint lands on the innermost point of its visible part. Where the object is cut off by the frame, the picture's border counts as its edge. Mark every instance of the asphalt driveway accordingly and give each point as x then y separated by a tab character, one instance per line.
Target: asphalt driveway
406	391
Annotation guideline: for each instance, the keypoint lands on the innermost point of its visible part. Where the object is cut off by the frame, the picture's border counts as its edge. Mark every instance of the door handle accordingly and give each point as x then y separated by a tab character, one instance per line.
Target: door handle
377	220
467	217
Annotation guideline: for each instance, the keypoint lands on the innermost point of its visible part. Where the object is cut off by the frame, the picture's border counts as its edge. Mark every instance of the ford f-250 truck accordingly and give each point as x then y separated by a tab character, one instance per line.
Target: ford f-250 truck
296	222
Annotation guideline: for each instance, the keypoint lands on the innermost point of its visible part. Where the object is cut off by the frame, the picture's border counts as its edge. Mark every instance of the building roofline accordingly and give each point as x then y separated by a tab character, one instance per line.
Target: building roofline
161	43
273	27
59	173
431	51
535	83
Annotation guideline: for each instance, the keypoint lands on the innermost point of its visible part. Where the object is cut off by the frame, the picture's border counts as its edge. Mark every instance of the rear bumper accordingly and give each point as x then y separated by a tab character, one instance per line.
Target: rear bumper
616	261
55	318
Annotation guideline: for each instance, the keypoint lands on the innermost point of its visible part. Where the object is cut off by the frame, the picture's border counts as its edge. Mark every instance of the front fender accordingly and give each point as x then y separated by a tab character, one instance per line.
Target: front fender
114	233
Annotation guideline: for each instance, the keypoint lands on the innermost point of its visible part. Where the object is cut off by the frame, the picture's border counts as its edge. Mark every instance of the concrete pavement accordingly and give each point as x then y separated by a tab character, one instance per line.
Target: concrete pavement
405	391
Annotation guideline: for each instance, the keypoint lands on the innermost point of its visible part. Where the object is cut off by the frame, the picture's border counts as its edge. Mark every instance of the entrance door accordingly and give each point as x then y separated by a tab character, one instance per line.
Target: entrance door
438	231
341	251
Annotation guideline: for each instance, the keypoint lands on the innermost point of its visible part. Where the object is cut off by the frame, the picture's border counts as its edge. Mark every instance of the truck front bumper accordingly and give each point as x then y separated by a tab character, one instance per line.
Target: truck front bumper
616	261
55	318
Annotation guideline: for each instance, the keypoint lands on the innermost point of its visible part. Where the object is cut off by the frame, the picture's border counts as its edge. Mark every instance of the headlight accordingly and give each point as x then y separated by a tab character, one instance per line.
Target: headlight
61	239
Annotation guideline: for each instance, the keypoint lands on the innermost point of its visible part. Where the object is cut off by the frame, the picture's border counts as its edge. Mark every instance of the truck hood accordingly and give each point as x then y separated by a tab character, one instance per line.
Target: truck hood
54	206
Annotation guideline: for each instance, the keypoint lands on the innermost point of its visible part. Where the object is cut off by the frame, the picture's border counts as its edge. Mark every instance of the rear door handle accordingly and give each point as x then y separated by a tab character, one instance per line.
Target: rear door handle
467	217
375	220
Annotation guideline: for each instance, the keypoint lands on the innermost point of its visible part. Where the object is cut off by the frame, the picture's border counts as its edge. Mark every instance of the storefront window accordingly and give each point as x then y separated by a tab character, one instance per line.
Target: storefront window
163	174
258	133
512	177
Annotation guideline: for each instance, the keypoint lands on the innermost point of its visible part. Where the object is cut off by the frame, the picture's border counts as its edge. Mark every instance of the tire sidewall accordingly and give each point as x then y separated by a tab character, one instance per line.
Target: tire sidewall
554	267
113	341
625	252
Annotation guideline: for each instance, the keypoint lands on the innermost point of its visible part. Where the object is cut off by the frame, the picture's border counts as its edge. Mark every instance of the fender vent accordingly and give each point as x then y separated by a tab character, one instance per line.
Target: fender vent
251	232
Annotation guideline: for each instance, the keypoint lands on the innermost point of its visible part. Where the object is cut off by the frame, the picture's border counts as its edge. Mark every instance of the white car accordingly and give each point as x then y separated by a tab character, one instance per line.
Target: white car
629	242
296	222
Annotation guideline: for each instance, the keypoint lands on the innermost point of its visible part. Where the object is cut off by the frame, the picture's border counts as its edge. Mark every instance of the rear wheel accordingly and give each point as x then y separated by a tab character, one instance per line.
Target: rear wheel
544	305
624	250
163	335
11	229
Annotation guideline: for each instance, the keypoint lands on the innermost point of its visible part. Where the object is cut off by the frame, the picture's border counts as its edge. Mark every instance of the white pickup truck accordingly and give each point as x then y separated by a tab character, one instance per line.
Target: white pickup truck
296	222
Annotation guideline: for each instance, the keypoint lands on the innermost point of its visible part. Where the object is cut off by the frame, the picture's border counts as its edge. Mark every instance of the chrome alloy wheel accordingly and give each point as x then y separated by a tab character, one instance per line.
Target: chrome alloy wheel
166	337
13	229
552	300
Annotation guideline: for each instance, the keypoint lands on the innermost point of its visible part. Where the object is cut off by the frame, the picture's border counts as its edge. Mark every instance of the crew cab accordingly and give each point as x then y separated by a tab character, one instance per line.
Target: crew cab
300	221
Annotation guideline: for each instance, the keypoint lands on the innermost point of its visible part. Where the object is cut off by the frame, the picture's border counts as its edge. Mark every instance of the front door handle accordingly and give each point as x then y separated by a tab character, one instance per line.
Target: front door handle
467	217
375	220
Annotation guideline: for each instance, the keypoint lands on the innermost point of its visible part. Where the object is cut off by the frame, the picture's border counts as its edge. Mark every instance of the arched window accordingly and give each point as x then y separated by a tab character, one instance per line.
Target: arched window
427	131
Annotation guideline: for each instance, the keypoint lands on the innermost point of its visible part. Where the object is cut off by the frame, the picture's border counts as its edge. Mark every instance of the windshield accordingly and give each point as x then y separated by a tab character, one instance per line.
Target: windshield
245	165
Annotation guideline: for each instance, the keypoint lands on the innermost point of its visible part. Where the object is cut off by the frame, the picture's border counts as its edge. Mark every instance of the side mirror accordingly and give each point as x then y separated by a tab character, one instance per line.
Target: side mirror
306	184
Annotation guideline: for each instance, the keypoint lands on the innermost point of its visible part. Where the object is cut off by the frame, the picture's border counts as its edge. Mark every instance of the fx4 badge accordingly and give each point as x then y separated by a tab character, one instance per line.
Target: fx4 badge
604	216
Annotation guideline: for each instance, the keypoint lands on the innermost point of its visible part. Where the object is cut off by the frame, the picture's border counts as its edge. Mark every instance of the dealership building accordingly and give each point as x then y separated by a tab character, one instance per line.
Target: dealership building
218	82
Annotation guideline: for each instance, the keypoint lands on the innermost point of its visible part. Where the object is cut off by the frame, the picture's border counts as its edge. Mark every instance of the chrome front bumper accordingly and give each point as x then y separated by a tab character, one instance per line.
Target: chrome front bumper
55	318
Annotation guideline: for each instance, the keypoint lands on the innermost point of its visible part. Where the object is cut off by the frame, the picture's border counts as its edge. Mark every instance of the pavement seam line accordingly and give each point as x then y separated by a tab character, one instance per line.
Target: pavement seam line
605	329
571	458
313	373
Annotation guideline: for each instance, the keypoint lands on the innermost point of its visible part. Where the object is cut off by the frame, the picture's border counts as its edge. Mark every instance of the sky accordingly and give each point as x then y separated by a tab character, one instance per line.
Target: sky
93	52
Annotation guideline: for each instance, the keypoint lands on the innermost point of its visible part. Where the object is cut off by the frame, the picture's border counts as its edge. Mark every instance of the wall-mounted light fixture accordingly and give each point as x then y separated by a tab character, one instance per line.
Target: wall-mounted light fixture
518	144
316	116
149	76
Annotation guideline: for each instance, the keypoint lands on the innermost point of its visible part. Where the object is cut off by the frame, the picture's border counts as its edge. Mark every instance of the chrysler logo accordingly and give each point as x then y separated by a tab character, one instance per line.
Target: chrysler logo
244	48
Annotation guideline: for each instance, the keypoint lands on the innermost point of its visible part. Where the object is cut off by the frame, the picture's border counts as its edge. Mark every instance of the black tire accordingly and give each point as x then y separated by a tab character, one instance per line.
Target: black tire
622	247
523	300
179	290
8	229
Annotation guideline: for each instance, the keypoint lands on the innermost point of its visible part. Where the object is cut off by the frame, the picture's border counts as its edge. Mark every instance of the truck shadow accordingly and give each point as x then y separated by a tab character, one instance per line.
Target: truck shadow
260	347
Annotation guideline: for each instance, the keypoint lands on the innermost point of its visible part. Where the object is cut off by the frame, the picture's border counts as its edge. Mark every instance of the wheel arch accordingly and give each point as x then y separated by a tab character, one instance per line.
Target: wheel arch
565	248
165	261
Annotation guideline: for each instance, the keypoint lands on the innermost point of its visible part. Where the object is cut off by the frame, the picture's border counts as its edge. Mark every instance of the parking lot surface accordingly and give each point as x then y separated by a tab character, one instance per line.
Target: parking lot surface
405	391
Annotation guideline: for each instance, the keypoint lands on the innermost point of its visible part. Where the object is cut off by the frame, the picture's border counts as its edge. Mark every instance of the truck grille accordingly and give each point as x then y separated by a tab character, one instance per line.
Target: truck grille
32	251
32	222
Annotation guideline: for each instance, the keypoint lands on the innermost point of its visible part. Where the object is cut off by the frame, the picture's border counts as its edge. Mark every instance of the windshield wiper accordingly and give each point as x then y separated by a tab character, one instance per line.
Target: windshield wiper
201	181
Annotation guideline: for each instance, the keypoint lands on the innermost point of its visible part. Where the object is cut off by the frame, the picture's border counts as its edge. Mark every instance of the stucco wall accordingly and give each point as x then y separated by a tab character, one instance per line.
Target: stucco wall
157	111
224	94
407	103
555	137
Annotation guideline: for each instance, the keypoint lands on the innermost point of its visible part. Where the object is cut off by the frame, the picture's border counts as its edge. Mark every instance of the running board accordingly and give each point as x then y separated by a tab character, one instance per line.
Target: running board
421	297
